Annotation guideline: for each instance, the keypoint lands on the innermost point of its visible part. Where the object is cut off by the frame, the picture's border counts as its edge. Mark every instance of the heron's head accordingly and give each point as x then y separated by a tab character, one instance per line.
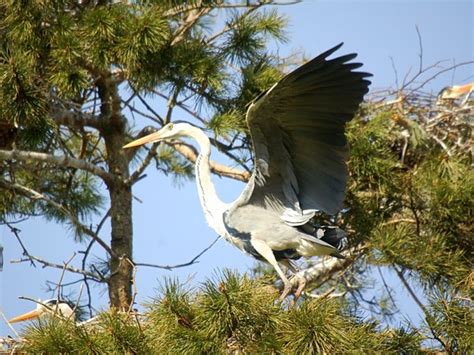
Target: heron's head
454	92
51	307
169	131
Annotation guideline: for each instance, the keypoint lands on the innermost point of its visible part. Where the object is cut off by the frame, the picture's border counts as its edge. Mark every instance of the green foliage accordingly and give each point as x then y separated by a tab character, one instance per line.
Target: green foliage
229	314
112	332
453	320
410	198
247	38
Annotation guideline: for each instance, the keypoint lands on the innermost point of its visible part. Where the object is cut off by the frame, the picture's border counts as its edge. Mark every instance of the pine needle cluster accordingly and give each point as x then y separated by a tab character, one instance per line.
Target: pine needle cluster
230	314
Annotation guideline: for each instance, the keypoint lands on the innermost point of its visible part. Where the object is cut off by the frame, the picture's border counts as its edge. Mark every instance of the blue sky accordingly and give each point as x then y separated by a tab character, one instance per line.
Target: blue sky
169	225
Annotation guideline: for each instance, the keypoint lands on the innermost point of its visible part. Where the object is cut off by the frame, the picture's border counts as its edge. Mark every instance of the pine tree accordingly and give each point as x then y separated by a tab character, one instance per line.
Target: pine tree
74	75
410	194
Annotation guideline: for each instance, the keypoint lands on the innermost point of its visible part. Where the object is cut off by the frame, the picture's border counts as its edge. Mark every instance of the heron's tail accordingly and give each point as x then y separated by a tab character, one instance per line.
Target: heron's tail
331	235
335	237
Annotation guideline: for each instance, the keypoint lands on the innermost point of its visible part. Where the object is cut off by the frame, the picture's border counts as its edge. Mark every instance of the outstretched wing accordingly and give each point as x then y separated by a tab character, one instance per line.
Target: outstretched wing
297	130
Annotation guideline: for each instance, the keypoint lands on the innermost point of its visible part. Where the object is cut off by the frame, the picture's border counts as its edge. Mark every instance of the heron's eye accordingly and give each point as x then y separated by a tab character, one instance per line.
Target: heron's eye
170	126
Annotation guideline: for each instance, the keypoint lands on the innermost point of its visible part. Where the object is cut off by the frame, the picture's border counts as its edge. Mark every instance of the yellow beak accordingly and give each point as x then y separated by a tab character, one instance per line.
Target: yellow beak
25	316
147	139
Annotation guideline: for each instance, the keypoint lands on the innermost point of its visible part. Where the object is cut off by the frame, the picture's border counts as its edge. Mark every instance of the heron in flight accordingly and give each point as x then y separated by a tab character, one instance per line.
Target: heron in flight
300	153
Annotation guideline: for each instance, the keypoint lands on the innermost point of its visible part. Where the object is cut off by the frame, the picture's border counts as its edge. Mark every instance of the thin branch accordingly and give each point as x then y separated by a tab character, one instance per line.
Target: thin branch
134	285
148	107
227	28
9	325
191	262
60	161
420	45
35	195
193	17
420	304
394	68
135	176
16	232
423	83
66	265
91	275
182	106
76	306
387	288
134	110
245	4
171	104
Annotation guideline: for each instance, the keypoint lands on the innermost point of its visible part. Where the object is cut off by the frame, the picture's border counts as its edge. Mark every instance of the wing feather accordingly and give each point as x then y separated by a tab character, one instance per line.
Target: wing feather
297	129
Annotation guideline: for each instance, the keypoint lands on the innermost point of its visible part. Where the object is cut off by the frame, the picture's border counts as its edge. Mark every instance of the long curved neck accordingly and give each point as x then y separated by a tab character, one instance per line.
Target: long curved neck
213	207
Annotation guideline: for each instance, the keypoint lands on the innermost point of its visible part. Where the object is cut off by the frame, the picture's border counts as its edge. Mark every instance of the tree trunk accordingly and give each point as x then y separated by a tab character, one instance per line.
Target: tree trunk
121	270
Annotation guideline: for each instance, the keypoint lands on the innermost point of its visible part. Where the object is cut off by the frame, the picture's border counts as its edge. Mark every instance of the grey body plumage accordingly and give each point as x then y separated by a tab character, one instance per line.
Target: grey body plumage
300	153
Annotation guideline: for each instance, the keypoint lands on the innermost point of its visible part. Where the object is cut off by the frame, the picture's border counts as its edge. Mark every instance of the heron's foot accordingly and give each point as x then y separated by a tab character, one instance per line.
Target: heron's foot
296	281
301	285
286	290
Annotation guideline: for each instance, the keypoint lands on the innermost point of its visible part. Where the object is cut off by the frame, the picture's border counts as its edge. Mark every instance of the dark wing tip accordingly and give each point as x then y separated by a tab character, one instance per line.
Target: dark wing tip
326	54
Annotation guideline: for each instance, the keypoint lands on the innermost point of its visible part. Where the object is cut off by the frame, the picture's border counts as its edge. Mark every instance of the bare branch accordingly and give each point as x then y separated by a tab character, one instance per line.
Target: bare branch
394	67
90	275
35	195
327	267
420	44
171	267
66	265
192	17
135	176
148	107
60	161
76	119
182	106
16	232
9	325
189	152
171	104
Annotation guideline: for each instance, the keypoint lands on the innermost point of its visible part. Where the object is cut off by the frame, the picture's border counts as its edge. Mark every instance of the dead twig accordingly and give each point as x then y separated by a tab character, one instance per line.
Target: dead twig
191	262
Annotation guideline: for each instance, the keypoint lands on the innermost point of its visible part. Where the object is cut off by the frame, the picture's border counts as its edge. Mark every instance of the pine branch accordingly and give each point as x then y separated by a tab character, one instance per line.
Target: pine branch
228	27
59	161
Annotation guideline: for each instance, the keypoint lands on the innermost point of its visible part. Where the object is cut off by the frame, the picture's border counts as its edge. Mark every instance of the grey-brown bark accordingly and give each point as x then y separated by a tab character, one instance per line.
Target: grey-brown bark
120	291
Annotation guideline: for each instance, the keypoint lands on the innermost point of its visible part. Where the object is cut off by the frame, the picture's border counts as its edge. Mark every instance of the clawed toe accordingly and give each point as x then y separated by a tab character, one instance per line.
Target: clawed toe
301	283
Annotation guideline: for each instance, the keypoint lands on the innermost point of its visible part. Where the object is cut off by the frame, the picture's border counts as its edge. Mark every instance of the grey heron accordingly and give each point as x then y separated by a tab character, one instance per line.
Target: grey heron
49	307
300	153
